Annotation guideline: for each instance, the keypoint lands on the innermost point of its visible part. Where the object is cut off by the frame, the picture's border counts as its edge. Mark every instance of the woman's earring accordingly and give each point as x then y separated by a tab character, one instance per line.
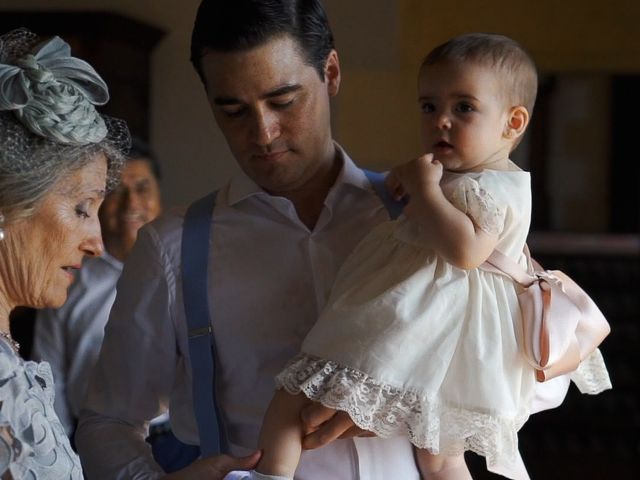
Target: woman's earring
1	225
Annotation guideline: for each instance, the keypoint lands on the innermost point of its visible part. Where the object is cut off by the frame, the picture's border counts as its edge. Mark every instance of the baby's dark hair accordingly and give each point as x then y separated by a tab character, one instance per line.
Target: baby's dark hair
512	63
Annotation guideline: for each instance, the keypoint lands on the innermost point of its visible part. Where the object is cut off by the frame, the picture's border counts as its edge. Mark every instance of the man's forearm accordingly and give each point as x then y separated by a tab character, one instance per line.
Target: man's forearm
112	449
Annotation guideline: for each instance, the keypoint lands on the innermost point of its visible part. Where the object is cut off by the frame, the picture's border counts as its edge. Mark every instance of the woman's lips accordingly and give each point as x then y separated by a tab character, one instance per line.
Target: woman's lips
70	271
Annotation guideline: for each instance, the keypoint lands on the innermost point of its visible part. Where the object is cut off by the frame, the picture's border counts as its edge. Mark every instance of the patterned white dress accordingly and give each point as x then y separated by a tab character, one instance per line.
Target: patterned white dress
409	344
33	444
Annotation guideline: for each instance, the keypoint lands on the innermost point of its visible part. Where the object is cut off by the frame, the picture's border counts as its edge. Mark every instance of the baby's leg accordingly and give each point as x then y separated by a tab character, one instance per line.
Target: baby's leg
441	467
281	435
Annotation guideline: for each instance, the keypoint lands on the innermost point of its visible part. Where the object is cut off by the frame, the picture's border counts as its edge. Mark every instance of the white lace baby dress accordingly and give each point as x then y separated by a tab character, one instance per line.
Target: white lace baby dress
409	344
33	444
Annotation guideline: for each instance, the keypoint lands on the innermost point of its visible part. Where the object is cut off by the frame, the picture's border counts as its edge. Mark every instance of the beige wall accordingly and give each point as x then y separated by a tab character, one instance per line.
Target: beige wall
381	48
381	43
377	115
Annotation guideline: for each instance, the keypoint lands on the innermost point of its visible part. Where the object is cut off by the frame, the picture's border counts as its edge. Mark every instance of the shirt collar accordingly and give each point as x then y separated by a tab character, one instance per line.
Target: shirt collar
242	187
111	260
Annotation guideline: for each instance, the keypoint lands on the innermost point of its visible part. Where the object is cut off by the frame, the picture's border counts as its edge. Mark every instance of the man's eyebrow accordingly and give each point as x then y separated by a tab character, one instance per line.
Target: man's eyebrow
283	90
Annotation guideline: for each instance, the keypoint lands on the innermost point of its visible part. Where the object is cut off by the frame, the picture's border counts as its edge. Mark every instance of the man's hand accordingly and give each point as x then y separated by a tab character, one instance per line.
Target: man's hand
322	425
215	468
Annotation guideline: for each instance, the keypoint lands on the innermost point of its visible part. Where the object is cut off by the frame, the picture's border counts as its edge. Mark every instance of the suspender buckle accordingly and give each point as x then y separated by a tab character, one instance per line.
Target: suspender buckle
198	332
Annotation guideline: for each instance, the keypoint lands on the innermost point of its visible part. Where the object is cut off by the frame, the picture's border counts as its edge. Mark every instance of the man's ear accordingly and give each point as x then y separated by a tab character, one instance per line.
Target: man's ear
332	73
517	122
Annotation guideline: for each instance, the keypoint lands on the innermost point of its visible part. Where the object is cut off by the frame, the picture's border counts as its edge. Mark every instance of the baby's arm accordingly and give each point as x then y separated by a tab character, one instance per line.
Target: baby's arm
443	227
281	435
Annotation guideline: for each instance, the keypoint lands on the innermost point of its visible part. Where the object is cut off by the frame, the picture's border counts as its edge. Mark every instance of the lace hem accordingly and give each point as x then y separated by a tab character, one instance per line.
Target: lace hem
391	411
592	376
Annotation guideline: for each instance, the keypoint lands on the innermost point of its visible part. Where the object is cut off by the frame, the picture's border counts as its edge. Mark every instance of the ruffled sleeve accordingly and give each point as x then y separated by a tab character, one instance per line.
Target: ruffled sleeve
472	199
33	444
11	449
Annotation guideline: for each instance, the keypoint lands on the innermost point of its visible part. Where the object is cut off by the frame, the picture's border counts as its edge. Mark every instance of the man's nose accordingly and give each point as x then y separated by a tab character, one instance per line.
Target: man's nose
266	127
131	199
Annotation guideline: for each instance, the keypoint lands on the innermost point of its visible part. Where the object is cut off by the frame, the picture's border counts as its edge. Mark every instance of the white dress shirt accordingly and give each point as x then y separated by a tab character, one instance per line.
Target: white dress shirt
69	337
269	277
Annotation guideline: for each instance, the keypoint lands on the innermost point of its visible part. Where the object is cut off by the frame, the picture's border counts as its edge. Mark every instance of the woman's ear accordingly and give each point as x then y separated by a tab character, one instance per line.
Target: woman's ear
517	122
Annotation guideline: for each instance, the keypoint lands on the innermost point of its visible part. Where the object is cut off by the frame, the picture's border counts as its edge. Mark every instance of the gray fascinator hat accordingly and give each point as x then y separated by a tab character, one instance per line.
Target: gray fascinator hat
49	124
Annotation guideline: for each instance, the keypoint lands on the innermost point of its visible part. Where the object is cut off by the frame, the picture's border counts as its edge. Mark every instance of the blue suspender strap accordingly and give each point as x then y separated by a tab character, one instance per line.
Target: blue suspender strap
196	233
393	206
202	348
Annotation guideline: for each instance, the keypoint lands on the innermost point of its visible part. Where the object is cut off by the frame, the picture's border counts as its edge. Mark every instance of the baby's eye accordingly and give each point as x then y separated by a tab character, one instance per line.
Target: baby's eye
426	107
464	107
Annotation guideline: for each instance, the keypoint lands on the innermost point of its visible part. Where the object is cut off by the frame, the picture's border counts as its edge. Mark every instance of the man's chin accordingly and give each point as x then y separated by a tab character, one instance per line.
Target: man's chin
129	231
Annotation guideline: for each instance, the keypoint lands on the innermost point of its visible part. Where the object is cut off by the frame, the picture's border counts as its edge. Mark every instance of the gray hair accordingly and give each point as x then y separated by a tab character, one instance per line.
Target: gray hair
49	126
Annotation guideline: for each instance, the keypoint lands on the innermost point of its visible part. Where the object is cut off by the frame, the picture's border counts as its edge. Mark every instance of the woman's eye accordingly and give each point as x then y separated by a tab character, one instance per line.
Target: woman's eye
82	211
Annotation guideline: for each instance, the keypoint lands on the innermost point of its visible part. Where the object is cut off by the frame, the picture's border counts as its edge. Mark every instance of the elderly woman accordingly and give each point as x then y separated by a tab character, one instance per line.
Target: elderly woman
58	156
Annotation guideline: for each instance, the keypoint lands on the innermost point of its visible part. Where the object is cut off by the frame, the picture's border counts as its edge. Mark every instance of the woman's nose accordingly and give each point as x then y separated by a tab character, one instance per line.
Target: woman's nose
92	245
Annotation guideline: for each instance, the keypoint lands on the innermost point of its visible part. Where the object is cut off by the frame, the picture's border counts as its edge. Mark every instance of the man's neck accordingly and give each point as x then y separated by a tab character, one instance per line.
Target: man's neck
309	199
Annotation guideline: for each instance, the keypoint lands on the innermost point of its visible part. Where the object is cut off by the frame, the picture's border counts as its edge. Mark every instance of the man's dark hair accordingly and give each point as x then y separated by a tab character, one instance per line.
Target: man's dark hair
140	150
236	25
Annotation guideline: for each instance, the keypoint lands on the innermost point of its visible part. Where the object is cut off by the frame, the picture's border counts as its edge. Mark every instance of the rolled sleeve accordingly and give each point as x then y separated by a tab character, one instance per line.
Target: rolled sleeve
135	373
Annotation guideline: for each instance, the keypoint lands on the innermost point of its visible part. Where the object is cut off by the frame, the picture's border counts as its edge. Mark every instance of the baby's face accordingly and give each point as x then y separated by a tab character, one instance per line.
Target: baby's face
464	118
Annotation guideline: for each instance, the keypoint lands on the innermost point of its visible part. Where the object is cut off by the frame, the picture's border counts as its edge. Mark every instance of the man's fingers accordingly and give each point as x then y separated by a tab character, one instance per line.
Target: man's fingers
215	467
357	432
328	431
314	415
393	185
223	464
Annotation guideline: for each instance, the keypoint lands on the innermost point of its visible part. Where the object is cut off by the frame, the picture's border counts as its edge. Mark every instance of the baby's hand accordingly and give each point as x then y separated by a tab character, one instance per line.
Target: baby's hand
428	170
415	177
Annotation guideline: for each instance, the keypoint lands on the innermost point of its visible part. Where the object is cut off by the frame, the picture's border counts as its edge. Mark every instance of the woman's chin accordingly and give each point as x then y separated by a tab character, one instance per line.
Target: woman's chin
55	300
